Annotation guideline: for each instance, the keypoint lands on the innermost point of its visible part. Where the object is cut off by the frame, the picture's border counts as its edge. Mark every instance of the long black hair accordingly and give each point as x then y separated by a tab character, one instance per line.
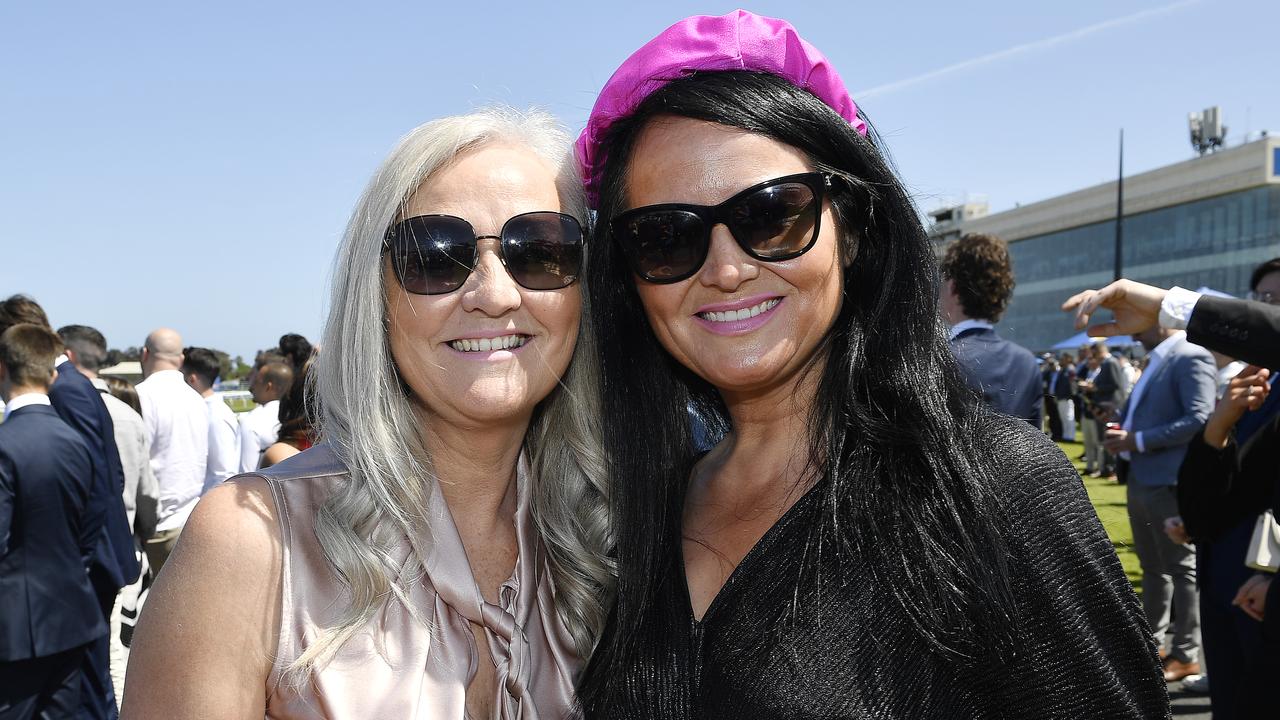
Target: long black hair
896	454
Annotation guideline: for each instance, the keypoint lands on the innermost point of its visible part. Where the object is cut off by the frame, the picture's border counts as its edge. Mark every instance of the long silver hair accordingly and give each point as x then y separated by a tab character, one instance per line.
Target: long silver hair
365	411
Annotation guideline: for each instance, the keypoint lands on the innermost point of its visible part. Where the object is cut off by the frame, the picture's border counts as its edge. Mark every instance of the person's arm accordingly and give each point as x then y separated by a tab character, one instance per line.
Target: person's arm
8	490
224	449
249	450
1214	490
1074	606
92	511
207	636
147	503
1135	307
1196	378
75	405
1244	330
1247	331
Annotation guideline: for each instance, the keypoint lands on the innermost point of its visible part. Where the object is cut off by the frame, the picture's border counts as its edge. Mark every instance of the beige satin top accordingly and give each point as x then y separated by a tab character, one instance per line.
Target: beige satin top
397	666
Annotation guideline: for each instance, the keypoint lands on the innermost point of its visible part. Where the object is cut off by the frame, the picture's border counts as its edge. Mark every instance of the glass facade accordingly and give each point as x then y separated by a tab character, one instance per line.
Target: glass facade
1215	242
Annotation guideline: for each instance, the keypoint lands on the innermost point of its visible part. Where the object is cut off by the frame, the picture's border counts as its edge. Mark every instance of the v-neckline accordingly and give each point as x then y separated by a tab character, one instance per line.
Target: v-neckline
760	546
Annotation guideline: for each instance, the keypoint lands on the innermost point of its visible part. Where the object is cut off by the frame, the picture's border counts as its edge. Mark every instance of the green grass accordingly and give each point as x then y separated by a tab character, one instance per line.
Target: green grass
1109	502
239	405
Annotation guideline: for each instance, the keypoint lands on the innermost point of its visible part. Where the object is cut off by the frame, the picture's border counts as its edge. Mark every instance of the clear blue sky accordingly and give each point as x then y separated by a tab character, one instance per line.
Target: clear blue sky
194	166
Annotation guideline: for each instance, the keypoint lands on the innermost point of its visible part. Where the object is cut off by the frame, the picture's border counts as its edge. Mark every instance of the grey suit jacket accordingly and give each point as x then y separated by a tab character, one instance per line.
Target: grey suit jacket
1175	403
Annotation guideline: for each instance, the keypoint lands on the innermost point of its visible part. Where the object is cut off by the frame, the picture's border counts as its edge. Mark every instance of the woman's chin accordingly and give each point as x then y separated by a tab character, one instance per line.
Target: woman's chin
743	378
484	405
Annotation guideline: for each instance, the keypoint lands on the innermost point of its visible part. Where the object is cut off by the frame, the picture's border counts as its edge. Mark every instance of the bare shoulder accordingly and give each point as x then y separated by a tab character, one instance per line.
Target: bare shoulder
277	453
207	635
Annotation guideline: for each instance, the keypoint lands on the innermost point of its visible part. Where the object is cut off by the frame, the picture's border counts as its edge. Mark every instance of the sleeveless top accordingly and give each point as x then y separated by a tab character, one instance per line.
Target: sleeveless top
399	666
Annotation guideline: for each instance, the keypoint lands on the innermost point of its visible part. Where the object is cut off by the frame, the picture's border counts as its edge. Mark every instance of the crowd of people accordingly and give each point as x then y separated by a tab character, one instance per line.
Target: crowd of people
1156	426
97	479
750	452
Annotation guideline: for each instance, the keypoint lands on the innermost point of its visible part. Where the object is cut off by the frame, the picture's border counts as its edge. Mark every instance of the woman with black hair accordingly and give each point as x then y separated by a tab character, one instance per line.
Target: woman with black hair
866	540
297	350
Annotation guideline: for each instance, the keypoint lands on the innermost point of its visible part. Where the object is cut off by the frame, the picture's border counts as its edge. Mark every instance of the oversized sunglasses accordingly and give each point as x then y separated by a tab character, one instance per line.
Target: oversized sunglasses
434	254
774	220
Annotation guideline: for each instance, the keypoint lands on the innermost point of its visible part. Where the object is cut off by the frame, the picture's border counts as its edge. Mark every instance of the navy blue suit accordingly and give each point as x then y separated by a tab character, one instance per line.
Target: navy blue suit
113	563
48	527
1007	375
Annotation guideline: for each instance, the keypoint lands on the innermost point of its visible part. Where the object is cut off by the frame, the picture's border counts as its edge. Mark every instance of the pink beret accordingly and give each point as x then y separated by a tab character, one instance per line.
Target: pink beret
737	41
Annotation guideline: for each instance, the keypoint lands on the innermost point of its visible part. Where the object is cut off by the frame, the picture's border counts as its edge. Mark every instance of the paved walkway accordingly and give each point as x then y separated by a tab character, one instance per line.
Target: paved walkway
1189	706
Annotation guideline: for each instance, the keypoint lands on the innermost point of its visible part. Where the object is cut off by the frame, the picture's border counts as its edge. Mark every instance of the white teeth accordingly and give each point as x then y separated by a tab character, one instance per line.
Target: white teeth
487	344
743	314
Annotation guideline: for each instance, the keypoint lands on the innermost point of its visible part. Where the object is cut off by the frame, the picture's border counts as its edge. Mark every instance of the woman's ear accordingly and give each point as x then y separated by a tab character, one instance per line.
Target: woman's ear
849	249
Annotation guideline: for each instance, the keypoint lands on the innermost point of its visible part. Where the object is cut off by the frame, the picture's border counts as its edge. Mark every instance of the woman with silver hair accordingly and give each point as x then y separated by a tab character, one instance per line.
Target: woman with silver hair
444	551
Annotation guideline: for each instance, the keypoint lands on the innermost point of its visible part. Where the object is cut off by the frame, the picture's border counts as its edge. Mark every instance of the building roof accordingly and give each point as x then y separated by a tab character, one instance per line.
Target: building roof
1218	173
127	369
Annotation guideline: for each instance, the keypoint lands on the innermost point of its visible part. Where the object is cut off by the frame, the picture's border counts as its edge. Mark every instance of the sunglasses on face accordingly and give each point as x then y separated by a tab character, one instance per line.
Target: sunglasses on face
775	220
434	254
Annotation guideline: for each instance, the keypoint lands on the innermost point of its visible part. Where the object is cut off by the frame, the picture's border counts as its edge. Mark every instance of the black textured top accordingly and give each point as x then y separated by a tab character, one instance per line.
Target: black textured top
766	649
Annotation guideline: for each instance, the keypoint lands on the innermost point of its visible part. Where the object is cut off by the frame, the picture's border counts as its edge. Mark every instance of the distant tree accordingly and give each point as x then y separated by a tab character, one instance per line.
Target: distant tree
234	368
116	356
224	363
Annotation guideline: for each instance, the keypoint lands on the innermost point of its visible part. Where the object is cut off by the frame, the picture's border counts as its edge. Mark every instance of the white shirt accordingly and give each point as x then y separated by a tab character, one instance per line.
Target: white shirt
1130	372
259	429
178	422
1177	307
1154	361
1225	375
968	325
224	442
23	400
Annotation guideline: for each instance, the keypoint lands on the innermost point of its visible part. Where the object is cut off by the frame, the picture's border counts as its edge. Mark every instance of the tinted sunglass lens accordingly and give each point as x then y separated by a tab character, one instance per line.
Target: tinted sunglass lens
432	255
542	250
663	244
776	221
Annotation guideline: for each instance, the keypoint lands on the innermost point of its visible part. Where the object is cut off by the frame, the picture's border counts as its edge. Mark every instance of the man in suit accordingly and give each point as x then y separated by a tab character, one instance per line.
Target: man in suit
87	350
113	563
1165	411
977	285
1064	393
1104	395
49	528
1049	375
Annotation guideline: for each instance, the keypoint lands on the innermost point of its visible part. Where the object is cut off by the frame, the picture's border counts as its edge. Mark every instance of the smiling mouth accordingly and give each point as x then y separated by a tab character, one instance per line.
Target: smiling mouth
506	342
743	314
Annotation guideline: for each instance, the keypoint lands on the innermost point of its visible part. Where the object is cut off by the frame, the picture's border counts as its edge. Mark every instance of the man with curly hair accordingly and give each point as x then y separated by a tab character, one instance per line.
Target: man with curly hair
977	283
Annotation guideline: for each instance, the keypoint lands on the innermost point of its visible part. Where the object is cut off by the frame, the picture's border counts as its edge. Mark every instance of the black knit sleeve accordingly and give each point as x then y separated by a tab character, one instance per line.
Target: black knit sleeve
1085	649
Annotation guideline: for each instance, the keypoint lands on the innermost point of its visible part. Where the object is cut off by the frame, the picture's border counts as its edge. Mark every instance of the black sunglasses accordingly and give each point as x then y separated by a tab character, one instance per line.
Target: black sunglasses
774	220
434	254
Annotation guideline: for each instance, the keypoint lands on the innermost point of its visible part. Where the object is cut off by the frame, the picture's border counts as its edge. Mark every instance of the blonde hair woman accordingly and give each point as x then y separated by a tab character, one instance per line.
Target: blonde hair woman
443	552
